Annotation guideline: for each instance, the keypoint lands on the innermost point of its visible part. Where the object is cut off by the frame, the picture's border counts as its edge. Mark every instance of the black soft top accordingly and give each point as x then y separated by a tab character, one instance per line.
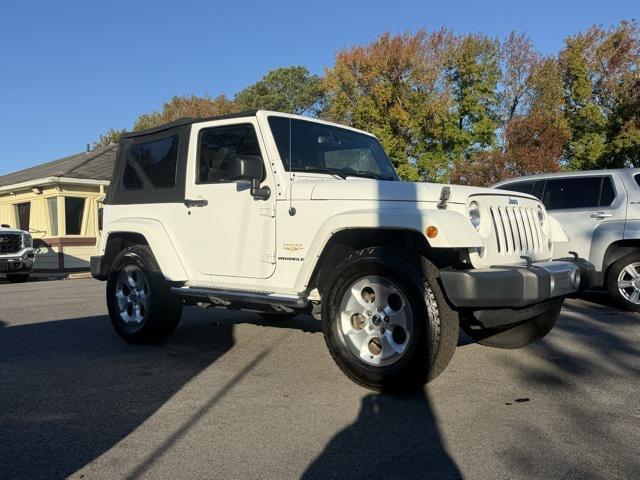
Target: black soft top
181	122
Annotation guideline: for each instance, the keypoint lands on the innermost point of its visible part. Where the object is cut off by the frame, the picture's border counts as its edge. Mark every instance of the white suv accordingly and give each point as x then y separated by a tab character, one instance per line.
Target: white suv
282	214
600	211
16	254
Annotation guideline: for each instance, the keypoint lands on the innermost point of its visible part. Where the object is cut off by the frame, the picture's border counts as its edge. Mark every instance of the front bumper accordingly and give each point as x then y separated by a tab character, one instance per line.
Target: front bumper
21	262
516	286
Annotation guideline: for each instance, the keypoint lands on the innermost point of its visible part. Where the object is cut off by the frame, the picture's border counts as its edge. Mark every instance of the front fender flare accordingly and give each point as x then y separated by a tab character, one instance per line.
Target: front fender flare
454	230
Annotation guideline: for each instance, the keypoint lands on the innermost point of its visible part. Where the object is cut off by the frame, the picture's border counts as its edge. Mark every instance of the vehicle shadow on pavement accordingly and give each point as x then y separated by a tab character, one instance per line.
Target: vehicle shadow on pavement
71	389
393	437
592	354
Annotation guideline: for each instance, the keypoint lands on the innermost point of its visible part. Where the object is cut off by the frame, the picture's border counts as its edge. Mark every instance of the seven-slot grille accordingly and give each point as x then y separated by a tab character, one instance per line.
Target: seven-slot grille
10	243
517	229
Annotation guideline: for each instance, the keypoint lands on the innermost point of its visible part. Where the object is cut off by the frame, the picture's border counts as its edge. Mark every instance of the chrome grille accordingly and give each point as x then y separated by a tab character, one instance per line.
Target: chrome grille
517	229
10	243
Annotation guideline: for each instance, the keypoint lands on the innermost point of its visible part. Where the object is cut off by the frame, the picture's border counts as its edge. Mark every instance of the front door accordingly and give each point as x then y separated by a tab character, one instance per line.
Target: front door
228	232
586	206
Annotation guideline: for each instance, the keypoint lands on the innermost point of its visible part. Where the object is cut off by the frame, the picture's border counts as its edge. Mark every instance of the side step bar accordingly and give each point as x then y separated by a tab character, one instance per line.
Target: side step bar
224	297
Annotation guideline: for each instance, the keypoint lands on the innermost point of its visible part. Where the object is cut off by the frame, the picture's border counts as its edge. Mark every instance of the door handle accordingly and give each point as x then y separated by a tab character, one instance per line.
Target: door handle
196	203
601	215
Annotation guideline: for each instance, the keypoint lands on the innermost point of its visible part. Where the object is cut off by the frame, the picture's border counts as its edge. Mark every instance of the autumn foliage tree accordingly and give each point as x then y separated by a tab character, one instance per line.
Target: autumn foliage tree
463	108
393	88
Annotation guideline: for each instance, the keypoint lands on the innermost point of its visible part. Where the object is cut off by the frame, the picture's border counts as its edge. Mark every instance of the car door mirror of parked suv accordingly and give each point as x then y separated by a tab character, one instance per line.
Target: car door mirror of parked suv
249	168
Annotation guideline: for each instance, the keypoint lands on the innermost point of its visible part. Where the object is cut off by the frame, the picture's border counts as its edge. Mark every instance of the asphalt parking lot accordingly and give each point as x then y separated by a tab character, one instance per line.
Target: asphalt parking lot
232	396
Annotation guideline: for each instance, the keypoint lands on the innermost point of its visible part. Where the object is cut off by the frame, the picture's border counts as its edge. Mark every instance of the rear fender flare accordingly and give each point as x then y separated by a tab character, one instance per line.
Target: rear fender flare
159	240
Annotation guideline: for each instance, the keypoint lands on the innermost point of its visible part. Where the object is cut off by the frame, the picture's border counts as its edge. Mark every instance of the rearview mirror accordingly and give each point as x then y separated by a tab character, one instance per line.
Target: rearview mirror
251	168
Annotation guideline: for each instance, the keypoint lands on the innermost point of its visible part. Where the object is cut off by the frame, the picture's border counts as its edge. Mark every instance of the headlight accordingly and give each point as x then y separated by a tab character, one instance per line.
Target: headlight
27	240
474	214
541	216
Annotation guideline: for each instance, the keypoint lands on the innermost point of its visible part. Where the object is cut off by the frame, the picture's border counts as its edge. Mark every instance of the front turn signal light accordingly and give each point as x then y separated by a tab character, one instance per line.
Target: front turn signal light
431	231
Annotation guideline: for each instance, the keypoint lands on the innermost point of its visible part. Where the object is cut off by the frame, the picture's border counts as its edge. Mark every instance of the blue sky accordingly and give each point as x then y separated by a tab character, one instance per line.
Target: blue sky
70	69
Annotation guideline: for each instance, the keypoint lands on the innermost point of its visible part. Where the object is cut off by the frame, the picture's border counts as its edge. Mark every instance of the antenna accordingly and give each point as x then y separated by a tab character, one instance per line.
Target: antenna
292	210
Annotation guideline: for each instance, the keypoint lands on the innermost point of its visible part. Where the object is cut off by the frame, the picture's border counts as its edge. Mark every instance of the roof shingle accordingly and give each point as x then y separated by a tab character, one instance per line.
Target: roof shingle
94	165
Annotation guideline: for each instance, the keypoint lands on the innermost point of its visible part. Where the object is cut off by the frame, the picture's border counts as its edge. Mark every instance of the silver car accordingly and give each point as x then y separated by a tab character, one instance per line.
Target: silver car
600	211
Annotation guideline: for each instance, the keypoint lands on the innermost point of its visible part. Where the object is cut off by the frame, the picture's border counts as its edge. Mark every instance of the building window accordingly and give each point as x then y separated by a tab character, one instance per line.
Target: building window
52	202
24	215
73	211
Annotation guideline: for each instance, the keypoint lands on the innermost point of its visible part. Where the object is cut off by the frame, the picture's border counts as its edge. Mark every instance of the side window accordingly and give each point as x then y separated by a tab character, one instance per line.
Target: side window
637	179
218	147
534	188
608	193
155	160
572	192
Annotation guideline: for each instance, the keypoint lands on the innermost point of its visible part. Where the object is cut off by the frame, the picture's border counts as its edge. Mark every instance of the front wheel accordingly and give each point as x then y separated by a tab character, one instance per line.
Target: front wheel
141	305
623	282
385	320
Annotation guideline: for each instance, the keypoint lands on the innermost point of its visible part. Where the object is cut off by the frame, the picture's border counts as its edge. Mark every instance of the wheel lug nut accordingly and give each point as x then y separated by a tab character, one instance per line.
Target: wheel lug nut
386	319
380	308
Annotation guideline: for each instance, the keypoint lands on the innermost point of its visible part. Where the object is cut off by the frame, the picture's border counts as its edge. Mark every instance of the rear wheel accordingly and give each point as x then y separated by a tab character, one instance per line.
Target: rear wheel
385	320
141	305
17	277
517	335
623	282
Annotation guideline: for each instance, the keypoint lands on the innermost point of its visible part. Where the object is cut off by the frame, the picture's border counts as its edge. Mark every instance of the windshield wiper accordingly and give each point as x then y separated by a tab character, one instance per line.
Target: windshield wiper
365	174
332	171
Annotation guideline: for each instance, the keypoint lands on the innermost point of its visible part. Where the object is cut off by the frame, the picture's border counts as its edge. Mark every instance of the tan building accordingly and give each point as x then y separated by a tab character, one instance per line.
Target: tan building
58	203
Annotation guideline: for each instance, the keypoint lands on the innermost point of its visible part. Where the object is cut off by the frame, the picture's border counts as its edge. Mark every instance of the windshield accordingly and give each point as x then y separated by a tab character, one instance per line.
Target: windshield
316	147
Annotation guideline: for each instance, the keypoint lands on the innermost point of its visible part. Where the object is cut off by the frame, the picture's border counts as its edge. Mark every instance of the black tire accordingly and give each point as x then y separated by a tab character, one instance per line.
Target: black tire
434	324
612	282
519	334
17	277
162	315
278	316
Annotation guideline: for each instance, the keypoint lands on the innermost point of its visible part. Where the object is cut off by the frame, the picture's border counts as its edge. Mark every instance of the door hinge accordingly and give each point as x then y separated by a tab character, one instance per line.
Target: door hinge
268	258
269	211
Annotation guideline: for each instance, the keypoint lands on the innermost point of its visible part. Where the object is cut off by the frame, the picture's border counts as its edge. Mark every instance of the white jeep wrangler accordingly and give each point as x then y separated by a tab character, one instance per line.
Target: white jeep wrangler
282	214
17	255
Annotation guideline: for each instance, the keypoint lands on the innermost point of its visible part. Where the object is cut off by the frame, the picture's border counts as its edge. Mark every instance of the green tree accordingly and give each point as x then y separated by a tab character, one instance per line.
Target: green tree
600	72
473	72
112	136
287	89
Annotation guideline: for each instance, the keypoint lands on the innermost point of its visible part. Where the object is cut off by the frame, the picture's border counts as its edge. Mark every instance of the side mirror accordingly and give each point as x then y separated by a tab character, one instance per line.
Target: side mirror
249	168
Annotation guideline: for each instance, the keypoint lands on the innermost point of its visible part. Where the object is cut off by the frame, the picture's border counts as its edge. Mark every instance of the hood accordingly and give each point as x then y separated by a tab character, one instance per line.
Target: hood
10	230
390	191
